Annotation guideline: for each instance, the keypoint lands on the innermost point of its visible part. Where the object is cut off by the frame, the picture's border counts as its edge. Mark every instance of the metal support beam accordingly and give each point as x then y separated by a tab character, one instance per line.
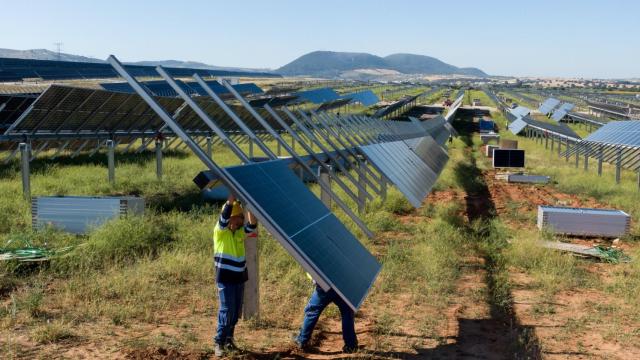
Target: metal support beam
111	160
25	158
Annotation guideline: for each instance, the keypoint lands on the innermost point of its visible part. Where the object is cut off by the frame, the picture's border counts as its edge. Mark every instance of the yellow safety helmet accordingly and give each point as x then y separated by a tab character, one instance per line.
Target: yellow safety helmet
237	209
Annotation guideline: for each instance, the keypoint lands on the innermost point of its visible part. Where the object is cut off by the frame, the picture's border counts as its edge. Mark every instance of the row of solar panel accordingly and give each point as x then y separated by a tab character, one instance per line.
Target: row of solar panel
63	110
161	88
18	69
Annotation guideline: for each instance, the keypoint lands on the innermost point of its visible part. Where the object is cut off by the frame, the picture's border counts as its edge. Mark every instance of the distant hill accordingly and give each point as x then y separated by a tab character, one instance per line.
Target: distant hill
44	54
331	64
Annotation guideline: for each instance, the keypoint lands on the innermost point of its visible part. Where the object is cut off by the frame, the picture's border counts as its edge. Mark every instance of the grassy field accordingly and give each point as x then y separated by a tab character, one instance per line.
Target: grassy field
455	276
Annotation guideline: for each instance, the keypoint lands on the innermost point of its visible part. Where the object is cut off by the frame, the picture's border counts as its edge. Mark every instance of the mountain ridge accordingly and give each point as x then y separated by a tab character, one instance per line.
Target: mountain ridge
332	64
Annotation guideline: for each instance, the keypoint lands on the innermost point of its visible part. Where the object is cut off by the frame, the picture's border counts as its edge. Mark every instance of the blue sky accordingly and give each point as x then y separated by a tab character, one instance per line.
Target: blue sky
523	38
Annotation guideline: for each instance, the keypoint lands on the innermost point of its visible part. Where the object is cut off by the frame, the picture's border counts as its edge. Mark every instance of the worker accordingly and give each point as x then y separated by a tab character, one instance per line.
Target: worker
231	271
319	300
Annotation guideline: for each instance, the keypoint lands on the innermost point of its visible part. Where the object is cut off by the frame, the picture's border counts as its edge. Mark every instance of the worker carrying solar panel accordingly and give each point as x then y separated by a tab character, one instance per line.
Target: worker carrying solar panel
229	235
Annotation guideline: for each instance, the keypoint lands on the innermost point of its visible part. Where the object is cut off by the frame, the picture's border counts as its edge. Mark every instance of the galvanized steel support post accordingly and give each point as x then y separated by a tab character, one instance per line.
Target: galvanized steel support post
325	177
25	157
600	158
159	159
209	147
362	192
111	160
586	158
251	294
618	166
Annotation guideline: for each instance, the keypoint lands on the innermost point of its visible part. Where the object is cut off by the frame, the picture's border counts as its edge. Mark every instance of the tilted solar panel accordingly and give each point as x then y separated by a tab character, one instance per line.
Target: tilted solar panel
517	126
548	105
366	97
318	96
520	111
406	170
625	133
313	234
559	114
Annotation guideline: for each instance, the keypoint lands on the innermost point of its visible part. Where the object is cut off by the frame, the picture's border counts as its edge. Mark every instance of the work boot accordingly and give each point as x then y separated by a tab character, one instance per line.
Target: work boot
219	350
299	346
349	349
231	346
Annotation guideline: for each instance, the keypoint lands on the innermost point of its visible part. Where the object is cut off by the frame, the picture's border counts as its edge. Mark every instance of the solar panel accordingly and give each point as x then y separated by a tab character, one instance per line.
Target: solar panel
567	106
312	231
508	158
559	114
517	126
548	105
520	111
334	104
366	97
318	96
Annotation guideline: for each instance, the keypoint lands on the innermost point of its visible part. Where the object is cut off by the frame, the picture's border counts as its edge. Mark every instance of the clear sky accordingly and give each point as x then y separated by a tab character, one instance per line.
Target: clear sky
524	38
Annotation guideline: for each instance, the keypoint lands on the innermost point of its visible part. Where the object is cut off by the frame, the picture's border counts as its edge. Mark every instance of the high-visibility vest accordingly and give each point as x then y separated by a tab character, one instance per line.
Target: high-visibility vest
229	255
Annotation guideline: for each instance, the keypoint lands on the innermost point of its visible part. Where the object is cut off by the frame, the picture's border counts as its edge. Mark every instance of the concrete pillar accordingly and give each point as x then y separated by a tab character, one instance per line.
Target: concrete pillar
25	158
159	159
293	143
250	148
111	160
251	296
278	148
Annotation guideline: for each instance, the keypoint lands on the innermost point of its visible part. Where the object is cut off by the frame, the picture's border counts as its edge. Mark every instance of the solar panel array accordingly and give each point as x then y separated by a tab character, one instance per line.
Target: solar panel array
625	133
19	69
63	111
410	156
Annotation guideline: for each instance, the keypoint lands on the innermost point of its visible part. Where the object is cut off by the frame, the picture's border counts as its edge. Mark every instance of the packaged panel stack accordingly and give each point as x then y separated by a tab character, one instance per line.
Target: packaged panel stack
78	214
584	221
